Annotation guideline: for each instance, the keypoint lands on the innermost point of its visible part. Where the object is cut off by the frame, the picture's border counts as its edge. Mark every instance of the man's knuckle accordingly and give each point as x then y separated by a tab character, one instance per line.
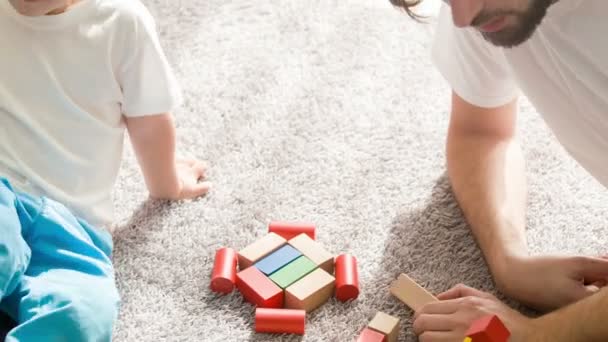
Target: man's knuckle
471	302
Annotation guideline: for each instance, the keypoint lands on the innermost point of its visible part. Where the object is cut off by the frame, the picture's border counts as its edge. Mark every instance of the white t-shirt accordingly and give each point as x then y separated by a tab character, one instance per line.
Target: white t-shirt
66	81
562	69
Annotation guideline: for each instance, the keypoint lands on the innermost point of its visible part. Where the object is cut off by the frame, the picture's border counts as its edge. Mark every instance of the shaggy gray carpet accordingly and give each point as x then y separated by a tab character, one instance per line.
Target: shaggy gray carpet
328	111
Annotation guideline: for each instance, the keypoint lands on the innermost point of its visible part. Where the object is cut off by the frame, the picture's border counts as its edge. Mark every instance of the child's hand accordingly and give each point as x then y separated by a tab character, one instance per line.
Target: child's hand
191	173
153	139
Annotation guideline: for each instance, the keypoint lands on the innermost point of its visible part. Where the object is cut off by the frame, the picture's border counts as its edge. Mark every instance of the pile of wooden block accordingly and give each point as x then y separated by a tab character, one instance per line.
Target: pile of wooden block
285	274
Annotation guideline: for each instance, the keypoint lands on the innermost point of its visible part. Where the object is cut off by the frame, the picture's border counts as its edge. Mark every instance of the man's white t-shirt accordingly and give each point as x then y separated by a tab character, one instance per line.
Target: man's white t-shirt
562	69
66	81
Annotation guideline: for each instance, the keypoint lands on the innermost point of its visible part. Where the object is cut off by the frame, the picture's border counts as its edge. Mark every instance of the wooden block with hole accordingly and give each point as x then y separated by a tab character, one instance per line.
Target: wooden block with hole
314	251
260	248
387	325
410	293
311	291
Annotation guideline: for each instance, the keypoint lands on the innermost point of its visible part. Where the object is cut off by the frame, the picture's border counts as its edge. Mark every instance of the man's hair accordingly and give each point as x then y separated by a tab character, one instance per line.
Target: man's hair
407	6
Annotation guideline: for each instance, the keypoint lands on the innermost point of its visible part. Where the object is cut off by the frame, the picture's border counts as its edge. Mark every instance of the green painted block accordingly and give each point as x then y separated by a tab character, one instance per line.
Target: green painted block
293	271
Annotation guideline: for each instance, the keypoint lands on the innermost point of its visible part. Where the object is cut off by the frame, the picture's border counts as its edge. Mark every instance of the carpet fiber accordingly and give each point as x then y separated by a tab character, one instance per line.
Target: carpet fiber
328	111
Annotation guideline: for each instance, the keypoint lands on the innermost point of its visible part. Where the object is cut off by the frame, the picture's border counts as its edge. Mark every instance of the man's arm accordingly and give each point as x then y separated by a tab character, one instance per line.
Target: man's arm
584	321
153	139
487	172
449	318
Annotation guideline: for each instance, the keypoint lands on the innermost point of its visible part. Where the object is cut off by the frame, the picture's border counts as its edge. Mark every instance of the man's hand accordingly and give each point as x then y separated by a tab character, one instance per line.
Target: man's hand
550	282
449	319
191	173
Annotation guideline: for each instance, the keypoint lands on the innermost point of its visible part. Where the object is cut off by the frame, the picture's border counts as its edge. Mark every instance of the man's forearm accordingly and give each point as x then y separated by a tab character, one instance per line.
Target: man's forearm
583	321
487	174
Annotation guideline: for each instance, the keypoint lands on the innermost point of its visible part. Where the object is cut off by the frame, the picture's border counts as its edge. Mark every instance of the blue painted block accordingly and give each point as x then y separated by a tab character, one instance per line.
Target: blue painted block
276	260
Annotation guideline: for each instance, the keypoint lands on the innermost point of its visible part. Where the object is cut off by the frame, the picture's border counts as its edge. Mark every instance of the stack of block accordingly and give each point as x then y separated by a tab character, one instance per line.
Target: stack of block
285	274
382	328
487	329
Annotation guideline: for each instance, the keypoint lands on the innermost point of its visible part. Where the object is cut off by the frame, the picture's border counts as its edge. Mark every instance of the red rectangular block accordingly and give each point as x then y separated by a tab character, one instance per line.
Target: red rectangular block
258	289
488	329
369	335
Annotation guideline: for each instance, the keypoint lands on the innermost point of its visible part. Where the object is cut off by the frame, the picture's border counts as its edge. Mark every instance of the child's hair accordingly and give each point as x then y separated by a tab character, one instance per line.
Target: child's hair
407	6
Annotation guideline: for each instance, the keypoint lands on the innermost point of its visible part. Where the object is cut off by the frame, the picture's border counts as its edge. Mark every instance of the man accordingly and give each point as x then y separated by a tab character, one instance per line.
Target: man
556	53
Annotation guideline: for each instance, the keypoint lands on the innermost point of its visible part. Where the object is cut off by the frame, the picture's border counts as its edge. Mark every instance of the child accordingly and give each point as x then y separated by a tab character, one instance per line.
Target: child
73	75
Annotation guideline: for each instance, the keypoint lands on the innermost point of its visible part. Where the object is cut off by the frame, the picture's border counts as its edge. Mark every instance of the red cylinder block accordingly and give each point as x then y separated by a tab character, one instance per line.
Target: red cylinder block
347	277
289	230
280	321
223	276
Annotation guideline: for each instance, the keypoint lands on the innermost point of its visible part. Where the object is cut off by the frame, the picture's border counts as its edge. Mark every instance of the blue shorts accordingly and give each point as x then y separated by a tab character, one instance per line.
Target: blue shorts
56	276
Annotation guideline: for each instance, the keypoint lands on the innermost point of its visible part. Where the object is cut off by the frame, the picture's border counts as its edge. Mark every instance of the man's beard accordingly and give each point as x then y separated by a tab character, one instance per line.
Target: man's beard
525	24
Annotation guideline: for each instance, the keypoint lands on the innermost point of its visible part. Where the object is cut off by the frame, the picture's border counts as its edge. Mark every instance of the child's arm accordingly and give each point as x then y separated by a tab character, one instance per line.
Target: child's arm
153	139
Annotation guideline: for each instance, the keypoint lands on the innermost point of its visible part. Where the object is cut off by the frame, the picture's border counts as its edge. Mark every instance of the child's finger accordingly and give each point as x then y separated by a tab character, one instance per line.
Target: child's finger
198	170
187	161
200	189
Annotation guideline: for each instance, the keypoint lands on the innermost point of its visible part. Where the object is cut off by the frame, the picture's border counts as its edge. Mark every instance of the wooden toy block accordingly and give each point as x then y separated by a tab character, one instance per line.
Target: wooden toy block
347	277
259	249
277	259
311	291
293	271
280	321
410	293
467	339
369	335
314	251
387	325
257	289
223	275
290	230
488	329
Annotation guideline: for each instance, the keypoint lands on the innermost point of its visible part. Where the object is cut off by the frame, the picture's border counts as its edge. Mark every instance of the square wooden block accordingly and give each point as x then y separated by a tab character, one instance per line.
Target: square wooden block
258	249
387	325
311	291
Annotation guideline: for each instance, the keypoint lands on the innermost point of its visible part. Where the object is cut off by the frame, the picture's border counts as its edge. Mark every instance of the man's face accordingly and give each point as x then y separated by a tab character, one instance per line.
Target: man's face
504	23
34	8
